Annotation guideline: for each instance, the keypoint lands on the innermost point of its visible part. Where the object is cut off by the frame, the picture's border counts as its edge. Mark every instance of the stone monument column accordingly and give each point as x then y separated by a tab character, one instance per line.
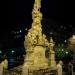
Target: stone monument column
35	43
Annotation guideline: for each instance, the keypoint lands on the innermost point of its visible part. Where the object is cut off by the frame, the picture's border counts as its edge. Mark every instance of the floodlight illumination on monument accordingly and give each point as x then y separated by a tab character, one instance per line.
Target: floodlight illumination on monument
36	43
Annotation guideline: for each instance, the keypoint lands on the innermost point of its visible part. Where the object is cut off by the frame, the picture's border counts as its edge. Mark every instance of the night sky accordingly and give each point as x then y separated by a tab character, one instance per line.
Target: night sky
55	12
20	10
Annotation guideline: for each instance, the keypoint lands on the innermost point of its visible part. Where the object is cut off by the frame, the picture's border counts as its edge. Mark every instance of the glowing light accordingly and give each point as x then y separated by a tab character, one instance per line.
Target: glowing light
66	52
65	41
26	29
0	51
20	31
12	51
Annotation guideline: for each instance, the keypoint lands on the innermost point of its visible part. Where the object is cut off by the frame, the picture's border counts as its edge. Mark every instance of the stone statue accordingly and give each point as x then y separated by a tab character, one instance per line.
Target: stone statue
5	64
51	43
52	55
59	68
1	68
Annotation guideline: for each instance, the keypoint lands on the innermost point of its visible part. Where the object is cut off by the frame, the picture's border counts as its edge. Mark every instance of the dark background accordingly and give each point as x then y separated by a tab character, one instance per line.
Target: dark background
57	16
20	10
